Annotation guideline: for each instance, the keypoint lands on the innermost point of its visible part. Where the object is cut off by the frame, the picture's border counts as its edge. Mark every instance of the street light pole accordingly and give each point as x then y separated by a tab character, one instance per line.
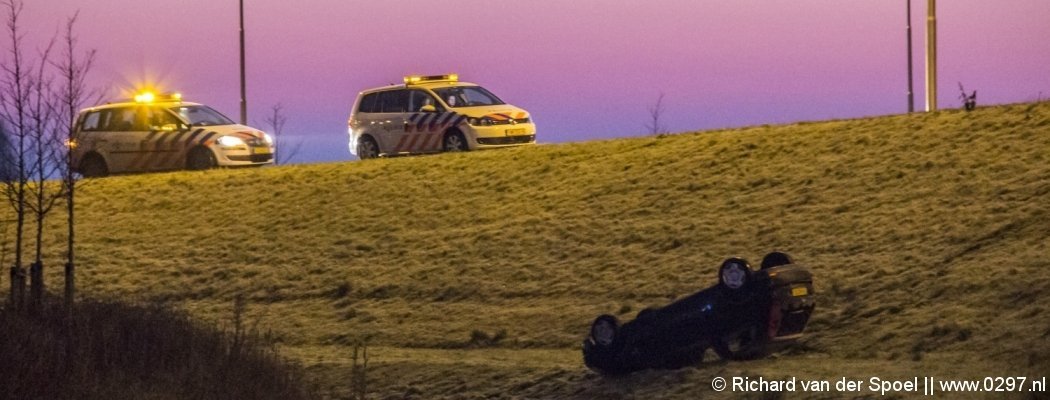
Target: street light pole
911	93
931	55
244	97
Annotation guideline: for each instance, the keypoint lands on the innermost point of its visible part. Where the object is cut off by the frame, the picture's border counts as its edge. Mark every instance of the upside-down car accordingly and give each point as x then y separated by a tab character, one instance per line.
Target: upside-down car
746	315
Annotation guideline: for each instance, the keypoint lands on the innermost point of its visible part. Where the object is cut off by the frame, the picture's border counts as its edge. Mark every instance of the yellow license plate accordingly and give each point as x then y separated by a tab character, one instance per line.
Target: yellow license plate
260	150
799	291
515	131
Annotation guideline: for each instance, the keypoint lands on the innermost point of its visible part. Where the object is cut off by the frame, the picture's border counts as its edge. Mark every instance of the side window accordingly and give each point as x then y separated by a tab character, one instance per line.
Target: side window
394	101
126	119
368	103
420	98
93	121
161	120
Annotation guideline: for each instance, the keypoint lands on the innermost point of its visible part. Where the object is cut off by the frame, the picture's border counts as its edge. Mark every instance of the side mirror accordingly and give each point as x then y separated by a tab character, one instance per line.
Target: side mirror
428	108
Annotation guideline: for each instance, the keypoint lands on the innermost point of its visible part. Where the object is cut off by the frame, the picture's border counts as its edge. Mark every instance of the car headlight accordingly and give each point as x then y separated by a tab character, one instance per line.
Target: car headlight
268	138
231	141
483	121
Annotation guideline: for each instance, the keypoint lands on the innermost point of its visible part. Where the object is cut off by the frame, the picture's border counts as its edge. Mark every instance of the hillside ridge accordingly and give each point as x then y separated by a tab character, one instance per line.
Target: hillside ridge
927	235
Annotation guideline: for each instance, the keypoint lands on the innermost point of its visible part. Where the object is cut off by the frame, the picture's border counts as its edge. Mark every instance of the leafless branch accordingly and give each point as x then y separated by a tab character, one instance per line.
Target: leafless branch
656	111
73	94
15	92
285	149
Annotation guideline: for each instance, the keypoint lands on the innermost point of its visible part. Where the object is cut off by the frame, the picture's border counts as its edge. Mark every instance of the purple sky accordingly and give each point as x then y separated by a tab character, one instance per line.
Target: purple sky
585	69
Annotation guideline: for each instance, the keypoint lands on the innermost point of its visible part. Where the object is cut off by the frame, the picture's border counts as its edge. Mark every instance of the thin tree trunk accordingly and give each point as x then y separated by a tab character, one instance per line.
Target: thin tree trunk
70	267
36	269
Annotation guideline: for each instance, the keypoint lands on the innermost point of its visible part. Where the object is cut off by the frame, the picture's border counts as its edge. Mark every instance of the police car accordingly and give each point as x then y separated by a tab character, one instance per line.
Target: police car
162	132
430	114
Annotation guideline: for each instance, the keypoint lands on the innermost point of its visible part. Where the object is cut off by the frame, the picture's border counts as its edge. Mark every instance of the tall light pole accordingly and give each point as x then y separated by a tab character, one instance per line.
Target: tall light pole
931	55
911	93
244	97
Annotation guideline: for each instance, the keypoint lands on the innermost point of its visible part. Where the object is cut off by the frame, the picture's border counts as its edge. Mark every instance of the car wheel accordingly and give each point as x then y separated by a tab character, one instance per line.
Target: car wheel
734	274
454	141
745	345
776	259
367	148
604	330
200	159
93	166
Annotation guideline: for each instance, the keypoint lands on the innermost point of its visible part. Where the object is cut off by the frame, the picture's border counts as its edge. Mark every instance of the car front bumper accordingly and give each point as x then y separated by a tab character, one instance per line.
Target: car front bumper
244	156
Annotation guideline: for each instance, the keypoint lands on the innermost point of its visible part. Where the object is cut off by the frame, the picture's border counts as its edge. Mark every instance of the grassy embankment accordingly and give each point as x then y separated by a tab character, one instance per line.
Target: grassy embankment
478	274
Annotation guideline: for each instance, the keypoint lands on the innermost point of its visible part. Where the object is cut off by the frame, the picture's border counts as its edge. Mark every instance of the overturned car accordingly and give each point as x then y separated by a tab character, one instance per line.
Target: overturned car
748	314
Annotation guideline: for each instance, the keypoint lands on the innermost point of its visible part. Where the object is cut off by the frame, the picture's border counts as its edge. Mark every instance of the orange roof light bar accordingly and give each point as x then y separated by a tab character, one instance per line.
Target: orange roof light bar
416	79
149	97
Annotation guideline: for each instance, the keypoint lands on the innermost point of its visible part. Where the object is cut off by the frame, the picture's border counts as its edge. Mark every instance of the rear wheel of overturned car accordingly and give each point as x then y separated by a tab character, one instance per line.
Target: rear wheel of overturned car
200	159
776	259
734	274
93	166
604	330
367	148
454	141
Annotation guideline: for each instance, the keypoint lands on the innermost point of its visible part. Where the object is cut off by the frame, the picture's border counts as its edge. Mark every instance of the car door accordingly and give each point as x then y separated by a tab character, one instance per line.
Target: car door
163	141
118	138
425	129
391	120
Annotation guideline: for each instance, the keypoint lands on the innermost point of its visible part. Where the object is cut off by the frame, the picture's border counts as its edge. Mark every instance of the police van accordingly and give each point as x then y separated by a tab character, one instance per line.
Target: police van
155	132
430	114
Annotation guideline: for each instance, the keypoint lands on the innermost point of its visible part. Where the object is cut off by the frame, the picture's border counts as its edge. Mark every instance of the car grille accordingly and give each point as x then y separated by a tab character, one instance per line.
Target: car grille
509	121
522	139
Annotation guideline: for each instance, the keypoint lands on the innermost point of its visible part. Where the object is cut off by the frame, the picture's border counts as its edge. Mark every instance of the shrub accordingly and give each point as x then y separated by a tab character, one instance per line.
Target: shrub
110	350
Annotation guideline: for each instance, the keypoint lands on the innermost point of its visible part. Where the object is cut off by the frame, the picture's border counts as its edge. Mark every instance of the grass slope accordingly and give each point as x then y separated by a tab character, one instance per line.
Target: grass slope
477	274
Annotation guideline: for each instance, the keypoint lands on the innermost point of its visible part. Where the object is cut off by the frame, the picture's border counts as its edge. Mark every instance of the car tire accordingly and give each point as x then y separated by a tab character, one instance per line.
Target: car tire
776	259
367	148
93	166
200	158
734	274
604	331
454	141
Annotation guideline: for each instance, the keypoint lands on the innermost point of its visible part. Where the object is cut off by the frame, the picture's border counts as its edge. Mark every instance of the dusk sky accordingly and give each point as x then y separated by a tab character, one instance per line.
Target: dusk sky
584	69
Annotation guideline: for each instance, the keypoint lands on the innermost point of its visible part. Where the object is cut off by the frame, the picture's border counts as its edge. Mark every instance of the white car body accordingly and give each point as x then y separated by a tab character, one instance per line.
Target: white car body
155	136
404	126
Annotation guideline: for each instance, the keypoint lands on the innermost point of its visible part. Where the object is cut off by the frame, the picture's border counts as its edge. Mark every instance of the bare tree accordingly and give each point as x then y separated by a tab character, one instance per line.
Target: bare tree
656	111
72	95
14	110
43	193
969	101
284	149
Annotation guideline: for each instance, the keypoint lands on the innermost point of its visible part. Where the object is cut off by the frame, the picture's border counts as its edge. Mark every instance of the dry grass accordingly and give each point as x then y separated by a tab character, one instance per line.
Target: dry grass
119	351
927	233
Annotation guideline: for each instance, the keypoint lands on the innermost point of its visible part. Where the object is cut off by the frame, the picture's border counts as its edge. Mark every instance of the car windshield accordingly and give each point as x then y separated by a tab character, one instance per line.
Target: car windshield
201	115
467	96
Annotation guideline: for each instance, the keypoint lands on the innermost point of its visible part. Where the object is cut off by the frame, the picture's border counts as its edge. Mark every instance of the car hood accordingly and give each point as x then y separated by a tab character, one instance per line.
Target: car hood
243	131
500	112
